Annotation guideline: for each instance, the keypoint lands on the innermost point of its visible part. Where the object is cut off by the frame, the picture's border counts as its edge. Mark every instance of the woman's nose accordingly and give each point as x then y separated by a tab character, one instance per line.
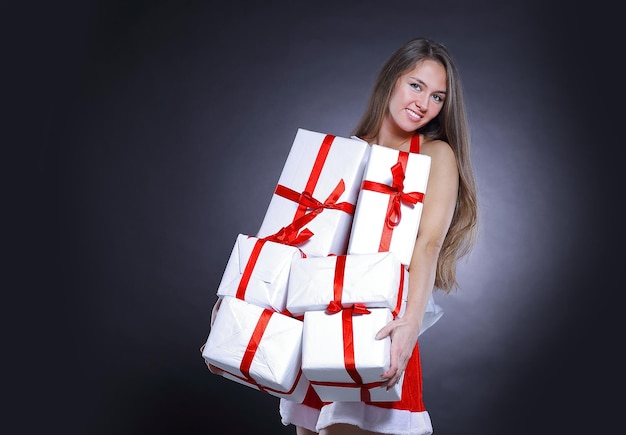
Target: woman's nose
421	105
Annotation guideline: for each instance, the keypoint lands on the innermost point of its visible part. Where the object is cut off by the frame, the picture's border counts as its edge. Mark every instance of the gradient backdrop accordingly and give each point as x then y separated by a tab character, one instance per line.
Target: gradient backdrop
164	128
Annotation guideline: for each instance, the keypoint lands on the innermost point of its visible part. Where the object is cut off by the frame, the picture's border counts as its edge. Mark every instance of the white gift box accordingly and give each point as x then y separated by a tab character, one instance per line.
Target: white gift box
257	347
324	362
376	280
369	226
295	394
320	165
258	272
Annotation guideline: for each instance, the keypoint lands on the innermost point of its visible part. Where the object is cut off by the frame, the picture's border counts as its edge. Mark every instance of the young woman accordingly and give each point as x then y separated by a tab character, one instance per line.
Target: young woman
417	97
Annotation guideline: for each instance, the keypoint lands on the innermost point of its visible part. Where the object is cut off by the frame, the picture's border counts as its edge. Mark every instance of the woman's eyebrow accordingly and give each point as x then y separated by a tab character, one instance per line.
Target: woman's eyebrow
423	84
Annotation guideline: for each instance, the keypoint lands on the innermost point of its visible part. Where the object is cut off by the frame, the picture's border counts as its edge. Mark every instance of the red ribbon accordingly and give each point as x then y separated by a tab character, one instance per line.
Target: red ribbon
306	201
316	171
265	388
291	234
367	386
347	313
397	197
247	271
340	269
415	144
248	356
288	235
396	310
253	344
336	305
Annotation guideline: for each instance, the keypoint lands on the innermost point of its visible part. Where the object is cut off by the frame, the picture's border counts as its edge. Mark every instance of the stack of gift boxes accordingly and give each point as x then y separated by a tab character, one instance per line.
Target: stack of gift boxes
303	299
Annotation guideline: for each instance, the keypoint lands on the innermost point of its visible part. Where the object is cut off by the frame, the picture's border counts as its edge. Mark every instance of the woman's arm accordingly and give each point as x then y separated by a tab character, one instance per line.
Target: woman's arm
438	208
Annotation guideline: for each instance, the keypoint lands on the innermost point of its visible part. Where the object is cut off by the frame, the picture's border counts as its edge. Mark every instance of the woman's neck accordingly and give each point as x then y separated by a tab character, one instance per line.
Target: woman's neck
395	141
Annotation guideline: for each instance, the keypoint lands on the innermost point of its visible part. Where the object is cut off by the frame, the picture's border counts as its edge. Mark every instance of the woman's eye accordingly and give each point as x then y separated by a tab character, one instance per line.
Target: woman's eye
438	98
416	86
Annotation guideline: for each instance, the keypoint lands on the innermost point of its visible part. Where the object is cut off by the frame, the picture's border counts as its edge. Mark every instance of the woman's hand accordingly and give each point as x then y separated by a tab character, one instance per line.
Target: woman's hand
403	333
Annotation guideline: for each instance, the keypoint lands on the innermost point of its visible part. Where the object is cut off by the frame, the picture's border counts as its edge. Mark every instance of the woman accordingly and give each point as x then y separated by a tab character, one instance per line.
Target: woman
417	92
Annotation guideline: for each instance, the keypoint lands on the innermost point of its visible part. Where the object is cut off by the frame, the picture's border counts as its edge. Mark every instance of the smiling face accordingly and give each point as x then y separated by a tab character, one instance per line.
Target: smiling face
417	97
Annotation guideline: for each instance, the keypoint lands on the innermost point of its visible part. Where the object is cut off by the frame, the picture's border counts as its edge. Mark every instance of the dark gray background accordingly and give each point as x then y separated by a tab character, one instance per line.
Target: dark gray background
155	132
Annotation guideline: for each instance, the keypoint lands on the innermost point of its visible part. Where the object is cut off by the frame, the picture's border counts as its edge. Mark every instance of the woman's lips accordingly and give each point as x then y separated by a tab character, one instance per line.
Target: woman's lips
414	115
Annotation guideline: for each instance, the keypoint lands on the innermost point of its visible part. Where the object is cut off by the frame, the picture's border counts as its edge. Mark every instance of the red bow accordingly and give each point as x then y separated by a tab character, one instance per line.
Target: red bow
306	200
335	306
289	235
398	196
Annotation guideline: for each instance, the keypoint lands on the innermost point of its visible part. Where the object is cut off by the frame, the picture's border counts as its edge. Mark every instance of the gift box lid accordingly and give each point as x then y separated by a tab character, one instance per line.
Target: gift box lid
276	257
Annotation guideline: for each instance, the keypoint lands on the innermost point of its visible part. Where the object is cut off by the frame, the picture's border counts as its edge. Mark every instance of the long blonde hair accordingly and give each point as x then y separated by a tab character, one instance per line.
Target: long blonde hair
450	126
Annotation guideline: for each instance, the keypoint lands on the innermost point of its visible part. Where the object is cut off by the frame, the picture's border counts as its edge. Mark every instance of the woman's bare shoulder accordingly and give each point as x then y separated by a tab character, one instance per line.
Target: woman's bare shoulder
437	149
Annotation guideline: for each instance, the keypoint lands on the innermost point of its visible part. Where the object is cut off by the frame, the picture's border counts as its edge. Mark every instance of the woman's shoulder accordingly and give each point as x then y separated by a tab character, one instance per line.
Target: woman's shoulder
442	158
436	148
